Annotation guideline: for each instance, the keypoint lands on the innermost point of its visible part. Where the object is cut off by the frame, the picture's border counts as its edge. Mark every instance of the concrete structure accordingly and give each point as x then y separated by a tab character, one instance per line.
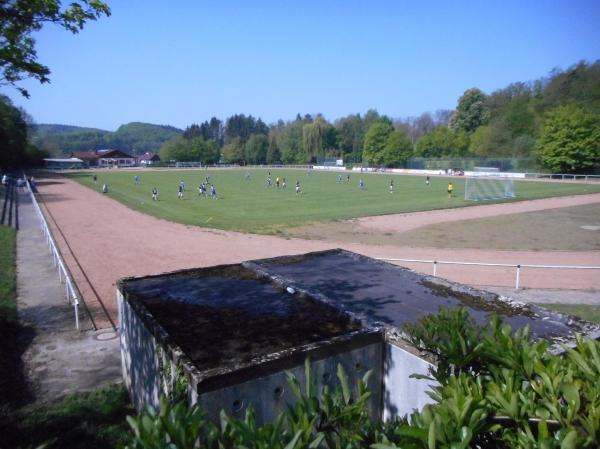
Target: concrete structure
225	335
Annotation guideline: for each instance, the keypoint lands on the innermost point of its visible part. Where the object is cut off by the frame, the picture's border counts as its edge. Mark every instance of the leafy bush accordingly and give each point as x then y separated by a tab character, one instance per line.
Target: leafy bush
496	389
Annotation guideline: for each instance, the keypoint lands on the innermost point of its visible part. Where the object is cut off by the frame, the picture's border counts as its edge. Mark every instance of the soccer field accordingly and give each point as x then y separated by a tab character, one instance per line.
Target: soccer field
251	206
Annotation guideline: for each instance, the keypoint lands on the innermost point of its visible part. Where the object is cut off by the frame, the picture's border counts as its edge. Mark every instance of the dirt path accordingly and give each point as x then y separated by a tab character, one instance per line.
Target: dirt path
102	241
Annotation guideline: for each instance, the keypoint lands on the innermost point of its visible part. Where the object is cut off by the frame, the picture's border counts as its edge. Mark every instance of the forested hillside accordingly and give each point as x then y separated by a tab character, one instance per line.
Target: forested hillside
135	138
554	120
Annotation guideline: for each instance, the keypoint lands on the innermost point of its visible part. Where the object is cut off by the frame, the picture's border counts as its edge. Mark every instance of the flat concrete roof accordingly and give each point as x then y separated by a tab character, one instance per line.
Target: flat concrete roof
380	293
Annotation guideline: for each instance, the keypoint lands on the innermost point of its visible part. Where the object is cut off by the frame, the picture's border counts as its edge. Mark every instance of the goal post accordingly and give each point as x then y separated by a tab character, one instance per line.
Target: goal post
479	188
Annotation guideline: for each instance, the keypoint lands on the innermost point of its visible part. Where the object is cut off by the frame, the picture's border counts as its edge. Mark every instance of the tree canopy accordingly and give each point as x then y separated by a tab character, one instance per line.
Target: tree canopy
570	140
20	18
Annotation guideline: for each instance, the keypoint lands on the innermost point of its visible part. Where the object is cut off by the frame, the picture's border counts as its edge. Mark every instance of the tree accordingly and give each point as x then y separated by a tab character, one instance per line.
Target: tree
13	134
471	112
233	152
570	140
350	136
375	141
397	150
314	138
273	154
19	19
442	142
290	142
256	148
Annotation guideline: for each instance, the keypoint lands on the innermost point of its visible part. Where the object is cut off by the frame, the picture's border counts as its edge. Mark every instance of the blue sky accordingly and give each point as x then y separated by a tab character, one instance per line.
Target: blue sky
181	62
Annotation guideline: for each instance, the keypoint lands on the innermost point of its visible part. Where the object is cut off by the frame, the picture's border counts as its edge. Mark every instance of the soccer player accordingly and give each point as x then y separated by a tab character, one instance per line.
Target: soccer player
450	189
391	186
298	190
213	192
180	191
427	180
361	184
348	178
277	182
283	184
104	188
247	176
136	180
154	194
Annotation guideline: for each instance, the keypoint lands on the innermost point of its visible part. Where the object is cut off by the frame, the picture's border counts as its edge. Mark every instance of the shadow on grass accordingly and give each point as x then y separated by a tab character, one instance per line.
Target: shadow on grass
84	420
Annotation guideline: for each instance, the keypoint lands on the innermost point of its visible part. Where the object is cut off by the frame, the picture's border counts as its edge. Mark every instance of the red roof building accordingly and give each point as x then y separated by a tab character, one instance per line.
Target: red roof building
105	158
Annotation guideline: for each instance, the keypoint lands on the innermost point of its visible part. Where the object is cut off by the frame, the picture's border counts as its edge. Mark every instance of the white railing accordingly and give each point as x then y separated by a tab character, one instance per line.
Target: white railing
63	274
517	267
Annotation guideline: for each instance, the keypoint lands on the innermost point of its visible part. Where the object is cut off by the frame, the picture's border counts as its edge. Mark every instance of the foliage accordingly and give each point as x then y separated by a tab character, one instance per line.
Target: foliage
442	141
375	142
496	388
500	386
190	150
397	150
255	150
19	19
84	420
242	127
138	138
328	420
471	112
570	140
233	152
15	149
135	138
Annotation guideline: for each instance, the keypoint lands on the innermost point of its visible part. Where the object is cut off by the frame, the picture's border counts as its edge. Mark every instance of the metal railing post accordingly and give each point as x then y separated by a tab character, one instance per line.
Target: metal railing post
487	264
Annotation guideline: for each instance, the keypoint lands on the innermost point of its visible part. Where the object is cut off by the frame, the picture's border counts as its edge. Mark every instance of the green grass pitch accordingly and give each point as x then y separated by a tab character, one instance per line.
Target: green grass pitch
251	206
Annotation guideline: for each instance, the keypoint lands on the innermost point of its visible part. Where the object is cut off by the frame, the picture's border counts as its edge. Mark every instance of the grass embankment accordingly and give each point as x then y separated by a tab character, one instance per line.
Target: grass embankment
584	311
89	420
251	206
80	421
9	325
564	229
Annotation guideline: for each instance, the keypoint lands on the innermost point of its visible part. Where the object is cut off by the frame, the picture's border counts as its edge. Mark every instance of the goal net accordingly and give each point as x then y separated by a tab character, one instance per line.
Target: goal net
479	188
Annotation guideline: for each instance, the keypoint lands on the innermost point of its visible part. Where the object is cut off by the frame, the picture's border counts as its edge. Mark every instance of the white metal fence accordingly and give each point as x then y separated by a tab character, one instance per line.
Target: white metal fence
63	274
517	267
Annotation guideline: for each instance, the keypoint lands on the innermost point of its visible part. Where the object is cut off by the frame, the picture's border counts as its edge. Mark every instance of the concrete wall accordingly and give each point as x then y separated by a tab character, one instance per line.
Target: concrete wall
139	358
149	372
402	394
270	395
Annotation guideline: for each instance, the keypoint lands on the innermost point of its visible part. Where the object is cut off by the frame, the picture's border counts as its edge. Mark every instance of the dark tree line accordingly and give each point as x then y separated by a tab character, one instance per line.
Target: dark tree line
15	148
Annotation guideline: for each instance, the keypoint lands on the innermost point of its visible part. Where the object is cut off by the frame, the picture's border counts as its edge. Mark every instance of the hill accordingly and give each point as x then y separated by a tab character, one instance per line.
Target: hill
135	138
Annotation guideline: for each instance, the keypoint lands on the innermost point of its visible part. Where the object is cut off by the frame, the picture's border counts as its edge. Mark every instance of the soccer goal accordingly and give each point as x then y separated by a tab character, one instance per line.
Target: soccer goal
478	188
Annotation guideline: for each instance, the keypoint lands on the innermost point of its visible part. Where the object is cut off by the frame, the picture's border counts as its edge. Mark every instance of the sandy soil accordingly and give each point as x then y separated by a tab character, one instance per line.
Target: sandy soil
102	241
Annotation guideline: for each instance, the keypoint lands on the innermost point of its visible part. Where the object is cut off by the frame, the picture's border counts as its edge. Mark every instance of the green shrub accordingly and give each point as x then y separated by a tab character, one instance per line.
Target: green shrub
496	389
